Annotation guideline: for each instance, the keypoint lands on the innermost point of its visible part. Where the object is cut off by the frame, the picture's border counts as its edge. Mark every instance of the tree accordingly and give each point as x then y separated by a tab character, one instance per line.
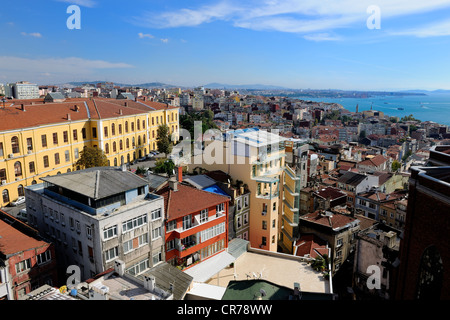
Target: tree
396	165
163	139
92	157
164	166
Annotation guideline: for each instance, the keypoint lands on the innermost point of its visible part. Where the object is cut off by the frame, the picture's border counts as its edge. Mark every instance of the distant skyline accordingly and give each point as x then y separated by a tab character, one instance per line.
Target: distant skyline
294	44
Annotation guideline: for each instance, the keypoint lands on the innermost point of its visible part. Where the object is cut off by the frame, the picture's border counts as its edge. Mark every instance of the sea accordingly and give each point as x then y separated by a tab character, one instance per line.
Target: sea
430	107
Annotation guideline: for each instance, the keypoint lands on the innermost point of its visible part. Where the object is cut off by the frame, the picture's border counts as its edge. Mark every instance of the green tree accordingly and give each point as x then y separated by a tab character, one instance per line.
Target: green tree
163	139
396	165
92	157
164	166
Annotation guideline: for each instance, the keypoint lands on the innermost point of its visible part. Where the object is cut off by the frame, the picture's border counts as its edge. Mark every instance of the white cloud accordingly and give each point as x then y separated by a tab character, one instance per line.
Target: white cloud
145	35
83	3
292	16
32	34
438	29
165	40
321	37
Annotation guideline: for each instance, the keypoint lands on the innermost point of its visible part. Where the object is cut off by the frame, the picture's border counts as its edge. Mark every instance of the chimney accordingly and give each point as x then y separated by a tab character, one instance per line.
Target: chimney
149	283
120	111
68	117
179	174
173	184
76	108
126	104
119	267
22	107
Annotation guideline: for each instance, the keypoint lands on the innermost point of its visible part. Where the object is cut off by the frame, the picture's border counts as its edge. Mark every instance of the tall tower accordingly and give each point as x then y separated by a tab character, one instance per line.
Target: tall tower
356	108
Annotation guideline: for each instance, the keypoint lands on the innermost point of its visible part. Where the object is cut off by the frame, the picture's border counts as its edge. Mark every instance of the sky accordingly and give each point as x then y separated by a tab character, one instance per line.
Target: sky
297	44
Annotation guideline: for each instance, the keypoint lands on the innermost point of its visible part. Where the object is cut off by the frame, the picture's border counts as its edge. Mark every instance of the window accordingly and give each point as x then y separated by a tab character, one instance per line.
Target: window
264	225
75	134
127	143
83	133
156	233
17	169
128	246
187	222
156	214
120	129
212	232
113	129
94	132
120	145
43	257
65	136
46	164
111	253
29	144
132	126
126	126
138	125
23	265
44	140
76	153
77	224
71	223
105	130
32	167
171	225
220	209
114	146
204	215
157	258
89	232
107	148
339	242
20	190
67	155
245	201
139	267
110	232
55	138
134	223
57	161
5	195
273	223
15	144
1	149
274	206
263	241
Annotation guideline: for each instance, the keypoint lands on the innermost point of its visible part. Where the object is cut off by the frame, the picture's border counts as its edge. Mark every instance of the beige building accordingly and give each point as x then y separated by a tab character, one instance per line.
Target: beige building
257	159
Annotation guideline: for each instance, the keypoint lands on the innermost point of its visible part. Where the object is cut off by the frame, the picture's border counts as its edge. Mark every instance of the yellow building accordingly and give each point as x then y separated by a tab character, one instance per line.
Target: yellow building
257	159
39	138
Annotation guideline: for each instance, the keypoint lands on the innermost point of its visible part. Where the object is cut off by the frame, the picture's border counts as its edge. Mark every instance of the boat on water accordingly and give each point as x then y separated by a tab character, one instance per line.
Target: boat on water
400	109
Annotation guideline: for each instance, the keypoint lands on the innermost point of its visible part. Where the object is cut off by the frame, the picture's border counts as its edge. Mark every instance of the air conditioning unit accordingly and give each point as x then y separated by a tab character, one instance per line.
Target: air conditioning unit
3	182
11	155
30	151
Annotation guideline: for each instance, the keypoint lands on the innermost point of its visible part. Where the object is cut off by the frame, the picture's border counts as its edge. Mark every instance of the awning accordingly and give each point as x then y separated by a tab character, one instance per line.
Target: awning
205	270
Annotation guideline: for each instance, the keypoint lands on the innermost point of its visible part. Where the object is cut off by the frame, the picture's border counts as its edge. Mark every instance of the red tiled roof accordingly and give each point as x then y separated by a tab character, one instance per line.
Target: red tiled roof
187	200
310	244
375	161
331	193
13	241
334	221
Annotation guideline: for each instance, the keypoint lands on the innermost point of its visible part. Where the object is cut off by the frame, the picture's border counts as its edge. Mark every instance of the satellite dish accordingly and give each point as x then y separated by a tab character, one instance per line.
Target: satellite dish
263	292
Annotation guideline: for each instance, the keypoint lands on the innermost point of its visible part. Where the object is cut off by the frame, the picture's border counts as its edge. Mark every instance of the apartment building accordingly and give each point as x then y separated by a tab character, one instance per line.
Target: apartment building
39	138
97	215
195	230
255	157
27	261
338	230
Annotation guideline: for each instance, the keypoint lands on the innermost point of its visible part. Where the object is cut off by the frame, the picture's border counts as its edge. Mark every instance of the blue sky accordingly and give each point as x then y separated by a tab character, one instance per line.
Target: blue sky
296	44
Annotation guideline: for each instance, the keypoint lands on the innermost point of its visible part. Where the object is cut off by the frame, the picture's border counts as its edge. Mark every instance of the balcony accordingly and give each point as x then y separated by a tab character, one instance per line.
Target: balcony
292	193
268	195
198	223
290	206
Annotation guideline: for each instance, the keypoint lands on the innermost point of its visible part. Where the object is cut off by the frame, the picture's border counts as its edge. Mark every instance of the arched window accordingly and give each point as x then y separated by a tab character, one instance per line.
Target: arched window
128	157
5	195
153	121
114	146
153	134
107	148
128	143
430	275
120	129
113	129
143	139
115	162
138	125
20	191
133	142
132	126
143	124
139	140
35	182
172	116
18	169
120	145
15	144
126	126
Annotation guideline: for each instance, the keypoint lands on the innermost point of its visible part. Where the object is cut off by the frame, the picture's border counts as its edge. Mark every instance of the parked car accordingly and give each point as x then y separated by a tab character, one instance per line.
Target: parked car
18	201
22	215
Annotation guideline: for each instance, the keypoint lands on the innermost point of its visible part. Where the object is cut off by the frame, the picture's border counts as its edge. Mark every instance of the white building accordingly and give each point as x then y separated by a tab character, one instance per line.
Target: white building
98	215
24	90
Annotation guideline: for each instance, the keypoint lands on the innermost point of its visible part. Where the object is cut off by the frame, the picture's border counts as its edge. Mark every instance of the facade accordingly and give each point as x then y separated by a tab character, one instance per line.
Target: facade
377	247
195	230
336	229
257	159
38	139
24	90
424	251
96	216
26	260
